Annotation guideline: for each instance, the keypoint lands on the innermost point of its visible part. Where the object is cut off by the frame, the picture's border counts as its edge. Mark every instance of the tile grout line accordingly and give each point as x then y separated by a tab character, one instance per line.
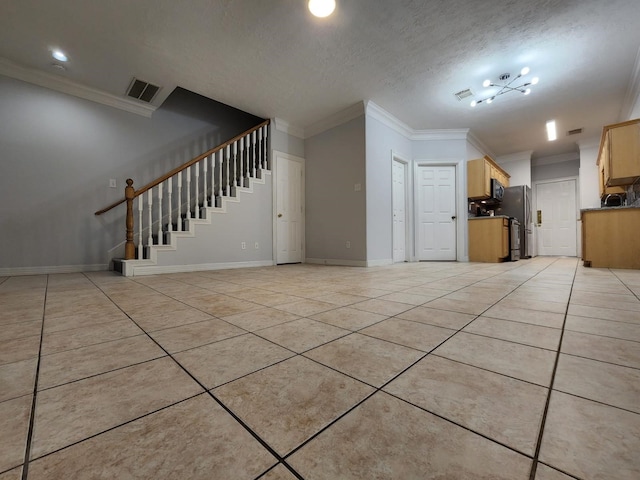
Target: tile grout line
534	465
27	452
210	393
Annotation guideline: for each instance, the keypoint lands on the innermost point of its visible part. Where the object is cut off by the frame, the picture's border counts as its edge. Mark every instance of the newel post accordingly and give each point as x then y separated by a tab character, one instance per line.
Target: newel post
129	248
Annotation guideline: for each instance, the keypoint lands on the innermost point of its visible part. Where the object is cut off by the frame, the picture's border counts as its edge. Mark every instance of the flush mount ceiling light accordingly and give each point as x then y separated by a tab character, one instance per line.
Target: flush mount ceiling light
507	86
59	55
322	8
551	130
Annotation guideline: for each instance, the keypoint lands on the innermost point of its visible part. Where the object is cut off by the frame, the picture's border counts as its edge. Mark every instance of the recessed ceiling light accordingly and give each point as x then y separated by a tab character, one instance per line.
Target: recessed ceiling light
551	130
59	55
322	8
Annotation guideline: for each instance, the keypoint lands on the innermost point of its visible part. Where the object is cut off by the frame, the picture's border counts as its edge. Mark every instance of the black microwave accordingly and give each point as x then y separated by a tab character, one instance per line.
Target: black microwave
497	190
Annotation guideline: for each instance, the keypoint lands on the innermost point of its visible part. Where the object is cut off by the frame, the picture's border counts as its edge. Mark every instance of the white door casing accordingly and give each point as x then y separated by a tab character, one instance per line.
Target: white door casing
436	212
289	208
399	206
557	233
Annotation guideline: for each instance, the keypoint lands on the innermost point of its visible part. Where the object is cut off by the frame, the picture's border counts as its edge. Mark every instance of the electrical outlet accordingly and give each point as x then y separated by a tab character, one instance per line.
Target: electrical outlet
243	245
348	244
357	187
112	183
257	245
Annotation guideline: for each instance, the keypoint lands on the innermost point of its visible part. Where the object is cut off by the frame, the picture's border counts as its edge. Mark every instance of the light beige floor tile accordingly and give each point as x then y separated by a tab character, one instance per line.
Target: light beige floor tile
305	308
19	349
280	472
75	411
194	334
533	335
502	408
17	379
195	439
222	305
591	440
349	318
604	313
548	295
14	425
365	358
409	298
341	299
538	305
301	335
260	318
269	299
388	438
83	362
428	290
15	474
289	402
546	473
486	296
410	334
229	359
534	317
453	305
161	319
439	318
530	364
85	336
58	324
606	300
613	350
606	328
383	307
369	292
603	382
13	331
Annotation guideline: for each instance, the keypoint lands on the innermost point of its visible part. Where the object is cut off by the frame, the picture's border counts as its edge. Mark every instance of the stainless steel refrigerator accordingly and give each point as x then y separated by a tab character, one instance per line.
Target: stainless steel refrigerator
516	203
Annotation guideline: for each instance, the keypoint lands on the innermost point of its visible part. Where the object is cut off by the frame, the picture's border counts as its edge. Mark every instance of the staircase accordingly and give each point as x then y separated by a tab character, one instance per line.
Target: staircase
164	212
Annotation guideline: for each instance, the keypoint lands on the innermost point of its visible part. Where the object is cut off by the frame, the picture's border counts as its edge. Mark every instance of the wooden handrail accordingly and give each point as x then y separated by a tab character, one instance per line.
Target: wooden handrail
176	170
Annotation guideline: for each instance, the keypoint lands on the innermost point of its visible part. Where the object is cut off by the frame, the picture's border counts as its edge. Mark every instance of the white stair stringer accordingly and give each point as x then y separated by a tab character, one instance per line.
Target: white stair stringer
156	263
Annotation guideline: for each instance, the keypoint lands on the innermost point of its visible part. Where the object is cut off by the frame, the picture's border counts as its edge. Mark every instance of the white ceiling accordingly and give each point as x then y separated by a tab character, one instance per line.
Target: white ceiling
273	59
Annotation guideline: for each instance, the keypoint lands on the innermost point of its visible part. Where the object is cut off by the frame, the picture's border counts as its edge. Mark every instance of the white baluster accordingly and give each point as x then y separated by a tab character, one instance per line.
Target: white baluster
260	166
188	175
169	191
236	174
265	154
197	203
227	187
212	181
159	230
140	207
150	203
179	218
205	162
241	160
253	154
220	156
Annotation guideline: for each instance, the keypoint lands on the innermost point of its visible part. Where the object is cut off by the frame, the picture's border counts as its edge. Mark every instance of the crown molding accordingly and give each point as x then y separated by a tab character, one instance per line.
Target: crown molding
286	127
632	97
354	111
475	141
377	112
515	157
64	85
440	134
561	158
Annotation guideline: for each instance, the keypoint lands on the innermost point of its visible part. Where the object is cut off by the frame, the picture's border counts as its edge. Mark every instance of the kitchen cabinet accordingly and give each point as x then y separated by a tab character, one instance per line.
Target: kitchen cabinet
619	154
479	174
602	162
611	237
488	239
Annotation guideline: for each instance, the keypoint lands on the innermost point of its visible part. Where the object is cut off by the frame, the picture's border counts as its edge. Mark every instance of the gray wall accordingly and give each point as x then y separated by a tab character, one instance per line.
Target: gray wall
382	141
57	154
555	170
335	213
285	143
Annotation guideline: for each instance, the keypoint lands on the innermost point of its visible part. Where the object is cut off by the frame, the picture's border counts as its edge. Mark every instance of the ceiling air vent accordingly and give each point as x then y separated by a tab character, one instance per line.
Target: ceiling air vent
463	94
142	90
576	131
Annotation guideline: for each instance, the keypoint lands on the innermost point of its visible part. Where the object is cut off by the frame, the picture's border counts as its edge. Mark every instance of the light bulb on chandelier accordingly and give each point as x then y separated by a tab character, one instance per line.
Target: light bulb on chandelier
507	86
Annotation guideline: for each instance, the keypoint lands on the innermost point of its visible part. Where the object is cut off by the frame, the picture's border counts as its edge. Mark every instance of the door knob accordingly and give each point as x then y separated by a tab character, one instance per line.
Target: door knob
453	218
279	215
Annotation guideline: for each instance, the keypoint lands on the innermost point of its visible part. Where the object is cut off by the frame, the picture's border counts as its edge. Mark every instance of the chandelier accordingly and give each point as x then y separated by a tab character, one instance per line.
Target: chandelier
508	85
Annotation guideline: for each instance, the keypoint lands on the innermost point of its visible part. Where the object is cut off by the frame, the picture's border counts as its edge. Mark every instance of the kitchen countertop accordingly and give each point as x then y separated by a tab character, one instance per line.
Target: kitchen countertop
609	208
486	217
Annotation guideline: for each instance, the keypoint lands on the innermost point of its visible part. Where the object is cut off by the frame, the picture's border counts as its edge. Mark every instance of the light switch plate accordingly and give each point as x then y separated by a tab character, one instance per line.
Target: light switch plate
112	183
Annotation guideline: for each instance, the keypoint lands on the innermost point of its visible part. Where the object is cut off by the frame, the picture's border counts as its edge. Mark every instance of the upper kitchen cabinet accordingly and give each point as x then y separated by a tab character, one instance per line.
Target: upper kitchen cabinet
619	155
479	174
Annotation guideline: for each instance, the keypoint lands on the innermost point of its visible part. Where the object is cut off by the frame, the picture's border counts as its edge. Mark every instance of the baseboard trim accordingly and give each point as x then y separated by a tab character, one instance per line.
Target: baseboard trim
18	271
336	262
160	269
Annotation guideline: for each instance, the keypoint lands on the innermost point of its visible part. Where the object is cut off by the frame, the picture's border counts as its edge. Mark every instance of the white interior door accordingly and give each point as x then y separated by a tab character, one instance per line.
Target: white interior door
436	222
556	202
399	211
289	209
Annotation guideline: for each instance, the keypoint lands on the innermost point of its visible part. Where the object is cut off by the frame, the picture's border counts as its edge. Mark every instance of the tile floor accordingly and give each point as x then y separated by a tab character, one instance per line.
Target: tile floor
525	370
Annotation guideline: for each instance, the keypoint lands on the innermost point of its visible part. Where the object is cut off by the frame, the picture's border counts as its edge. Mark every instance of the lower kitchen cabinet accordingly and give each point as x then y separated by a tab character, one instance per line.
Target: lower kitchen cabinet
489	239
611	237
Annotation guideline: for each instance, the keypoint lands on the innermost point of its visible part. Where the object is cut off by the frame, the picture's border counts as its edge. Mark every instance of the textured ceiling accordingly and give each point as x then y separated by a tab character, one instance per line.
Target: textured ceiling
273	59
